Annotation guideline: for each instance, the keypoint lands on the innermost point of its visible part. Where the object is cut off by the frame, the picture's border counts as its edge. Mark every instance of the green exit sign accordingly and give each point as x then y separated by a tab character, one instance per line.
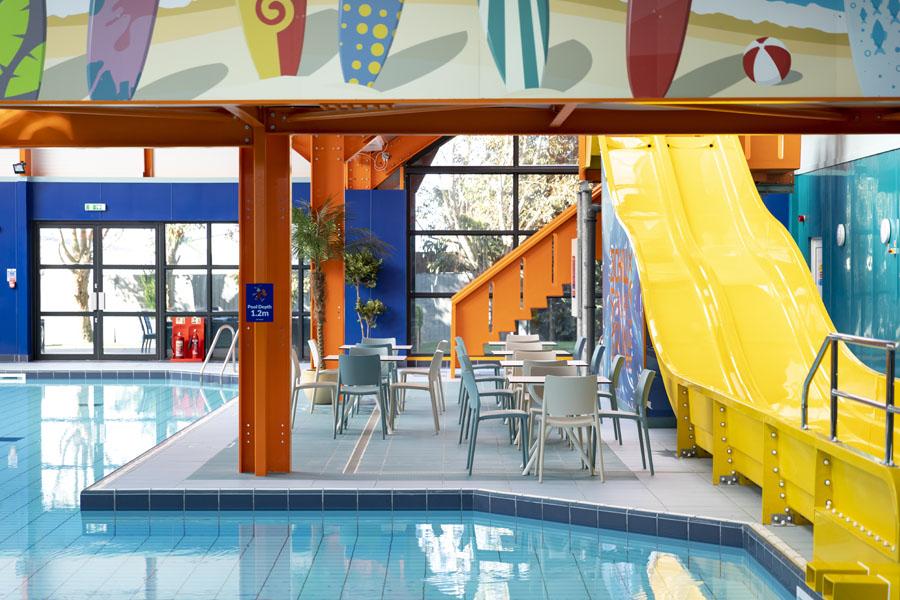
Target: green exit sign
95	206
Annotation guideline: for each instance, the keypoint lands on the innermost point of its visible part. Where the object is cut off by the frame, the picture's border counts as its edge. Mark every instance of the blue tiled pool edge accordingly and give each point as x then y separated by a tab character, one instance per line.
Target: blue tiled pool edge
111	375
665	525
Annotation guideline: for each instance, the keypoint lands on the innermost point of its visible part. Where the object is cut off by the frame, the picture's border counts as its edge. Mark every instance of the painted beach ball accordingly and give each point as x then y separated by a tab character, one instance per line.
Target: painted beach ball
767	61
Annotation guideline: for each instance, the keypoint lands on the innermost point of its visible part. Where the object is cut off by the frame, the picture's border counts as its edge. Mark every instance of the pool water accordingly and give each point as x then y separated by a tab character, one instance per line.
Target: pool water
57	438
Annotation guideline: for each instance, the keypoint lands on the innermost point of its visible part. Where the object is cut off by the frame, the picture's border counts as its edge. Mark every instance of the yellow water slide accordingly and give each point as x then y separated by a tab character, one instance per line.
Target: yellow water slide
736	322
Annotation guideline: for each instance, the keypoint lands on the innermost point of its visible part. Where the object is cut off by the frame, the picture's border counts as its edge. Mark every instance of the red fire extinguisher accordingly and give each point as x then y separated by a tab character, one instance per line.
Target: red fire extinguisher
195	344
179	345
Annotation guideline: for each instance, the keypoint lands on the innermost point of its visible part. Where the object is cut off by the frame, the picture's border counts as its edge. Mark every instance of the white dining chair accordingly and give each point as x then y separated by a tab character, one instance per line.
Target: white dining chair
316	364
298	385
432	386
405	372
570	403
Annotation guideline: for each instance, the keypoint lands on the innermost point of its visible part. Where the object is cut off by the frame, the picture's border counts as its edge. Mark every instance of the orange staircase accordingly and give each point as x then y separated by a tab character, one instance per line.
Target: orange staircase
517	284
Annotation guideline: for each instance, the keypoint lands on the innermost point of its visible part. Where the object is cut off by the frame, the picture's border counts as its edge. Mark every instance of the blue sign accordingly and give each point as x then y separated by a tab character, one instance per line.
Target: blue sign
259	298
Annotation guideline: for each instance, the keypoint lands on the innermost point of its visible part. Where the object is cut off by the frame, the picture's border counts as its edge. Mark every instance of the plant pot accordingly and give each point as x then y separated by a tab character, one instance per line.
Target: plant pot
321	395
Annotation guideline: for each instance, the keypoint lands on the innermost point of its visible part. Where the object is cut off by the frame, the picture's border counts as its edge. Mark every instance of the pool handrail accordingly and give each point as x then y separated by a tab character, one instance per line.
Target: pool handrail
230	355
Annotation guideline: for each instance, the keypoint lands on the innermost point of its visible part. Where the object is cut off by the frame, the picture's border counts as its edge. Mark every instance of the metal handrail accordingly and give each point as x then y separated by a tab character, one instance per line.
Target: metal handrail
831	341
229	355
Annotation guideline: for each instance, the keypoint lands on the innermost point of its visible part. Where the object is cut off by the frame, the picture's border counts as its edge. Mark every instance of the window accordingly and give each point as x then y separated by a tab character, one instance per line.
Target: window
472	199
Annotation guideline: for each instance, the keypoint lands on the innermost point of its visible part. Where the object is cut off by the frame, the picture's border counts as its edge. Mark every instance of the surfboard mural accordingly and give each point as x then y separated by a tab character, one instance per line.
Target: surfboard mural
274	30
119	33
23	32
365	35
518	34
654	37
875	44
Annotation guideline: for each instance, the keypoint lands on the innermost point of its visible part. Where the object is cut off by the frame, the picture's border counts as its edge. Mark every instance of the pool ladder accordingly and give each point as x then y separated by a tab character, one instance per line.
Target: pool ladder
230	355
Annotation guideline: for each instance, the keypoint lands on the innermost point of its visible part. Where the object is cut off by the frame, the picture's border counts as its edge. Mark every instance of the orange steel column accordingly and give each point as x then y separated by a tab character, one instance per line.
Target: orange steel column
328	176
265	257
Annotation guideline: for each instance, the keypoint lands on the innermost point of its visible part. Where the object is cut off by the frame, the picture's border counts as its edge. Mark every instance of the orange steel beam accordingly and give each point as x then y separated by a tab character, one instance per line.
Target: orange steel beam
25	156
564	112
353	144
149	162
265	257
302	145
517	119
44	129
359	172
327	182
249	115
401	149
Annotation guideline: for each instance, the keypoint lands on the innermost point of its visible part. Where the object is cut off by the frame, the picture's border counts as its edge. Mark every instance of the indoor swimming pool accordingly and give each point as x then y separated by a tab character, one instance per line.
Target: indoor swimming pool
59	437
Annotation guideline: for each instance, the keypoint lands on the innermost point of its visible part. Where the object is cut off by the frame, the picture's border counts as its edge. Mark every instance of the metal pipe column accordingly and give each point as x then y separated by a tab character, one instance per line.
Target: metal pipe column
587	284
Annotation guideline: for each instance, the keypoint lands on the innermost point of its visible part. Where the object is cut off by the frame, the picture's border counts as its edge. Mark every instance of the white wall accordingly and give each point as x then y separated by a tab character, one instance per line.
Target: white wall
204	163
107	163
8	157
820	151
100	163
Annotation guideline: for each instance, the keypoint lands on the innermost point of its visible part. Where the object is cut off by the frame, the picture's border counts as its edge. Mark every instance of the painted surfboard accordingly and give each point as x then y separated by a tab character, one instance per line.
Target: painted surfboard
119	33
518	35
274	31
654	37
22	43
365	35
874	29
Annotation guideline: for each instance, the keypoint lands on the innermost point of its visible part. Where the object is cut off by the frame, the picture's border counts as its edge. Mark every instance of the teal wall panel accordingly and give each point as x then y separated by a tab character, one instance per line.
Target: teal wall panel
861	283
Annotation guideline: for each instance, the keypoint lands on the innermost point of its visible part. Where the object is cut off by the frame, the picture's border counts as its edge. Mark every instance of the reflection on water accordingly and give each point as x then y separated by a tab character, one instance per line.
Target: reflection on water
377	555
59	438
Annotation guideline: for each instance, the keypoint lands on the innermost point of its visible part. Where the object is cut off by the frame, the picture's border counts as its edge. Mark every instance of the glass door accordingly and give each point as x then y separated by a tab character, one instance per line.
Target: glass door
127	295
67	300
97	292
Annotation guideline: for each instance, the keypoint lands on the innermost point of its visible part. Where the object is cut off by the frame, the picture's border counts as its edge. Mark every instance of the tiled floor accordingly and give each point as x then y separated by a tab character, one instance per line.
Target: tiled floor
413	457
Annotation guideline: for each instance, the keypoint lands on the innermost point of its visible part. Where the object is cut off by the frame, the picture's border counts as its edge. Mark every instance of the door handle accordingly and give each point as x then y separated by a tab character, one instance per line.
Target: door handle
101	300
92	302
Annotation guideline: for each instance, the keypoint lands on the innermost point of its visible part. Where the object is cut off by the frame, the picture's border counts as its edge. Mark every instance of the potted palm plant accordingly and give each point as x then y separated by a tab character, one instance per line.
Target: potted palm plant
317	236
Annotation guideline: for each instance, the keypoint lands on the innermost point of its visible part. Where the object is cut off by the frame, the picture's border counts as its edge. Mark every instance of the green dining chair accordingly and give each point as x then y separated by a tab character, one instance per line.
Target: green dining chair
476	414
359	375
615	372
639	416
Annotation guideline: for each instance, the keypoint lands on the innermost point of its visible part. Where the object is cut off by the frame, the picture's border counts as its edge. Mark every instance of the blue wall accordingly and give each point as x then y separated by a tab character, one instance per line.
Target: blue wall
861	279
15	330
780	207
384	213
24	201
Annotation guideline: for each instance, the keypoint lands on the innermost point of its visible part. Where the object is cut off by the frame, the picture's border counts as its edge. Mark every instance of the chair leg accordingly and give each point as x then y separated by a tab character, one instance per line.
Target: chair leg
472	442
434	411
540	465
312	404
647	443
293	406
641	443
335	401
383	410
599	450
523	439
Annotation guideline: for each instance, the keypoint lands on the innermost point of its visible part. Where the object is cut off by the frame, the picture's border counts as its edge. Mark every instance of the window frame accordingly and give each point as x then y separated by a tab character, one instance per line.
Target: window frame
412	233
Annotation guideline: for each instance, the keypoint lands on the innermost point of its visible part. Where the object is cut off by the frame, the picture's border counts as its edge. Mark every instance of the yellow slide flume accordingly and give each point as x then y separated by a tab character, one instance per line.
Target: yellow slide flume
736	321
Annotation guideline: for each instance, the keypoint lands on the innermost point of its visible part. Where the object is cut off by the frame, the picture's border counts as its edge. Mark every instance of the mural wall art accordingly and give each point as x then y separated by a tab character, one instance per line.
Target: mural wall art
233	50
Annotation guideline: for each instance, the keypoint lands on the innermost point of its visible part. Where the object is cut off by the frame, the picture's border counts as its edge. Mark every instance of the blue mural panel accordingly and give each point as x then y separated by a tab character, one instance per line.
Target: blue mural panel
623	307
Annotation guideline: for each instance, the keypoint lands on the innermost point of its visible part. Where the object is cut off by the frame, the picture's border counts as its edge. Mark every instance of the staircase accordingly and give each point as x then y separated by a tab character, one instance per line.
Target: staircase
518	283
